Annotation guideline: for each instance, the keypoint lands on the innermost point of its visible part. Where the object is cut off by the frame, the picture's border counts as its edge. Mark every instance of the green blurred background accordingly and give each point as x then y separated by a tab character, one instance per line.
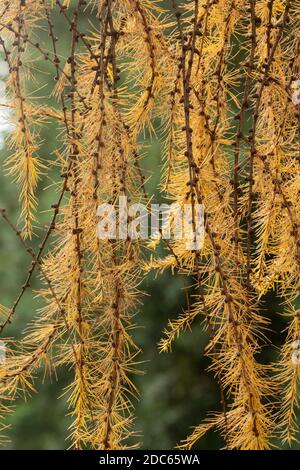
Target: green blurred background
175	390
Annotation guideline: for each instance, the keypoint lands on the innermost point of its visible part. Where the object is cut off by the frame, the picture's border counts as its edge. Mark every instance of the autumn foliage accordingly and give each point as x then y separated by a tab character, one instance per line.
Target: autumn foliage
217	77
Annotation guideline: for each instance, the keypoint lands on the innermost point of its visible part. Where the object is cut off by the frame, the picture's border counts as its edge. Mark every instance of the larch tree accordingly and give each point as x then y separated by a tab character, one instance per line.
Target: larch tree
221	77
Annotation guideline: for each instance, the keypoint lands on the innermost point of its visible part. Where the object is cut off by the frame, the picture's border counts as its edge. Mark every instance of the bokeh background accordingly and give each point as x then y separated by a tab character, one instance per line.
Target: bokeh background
176	392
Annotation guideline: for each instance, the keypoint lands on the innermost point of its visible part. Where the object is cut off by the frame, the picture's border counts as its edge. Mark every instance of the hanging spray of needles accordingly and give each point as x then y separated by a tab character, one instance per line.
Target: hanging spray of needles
220	77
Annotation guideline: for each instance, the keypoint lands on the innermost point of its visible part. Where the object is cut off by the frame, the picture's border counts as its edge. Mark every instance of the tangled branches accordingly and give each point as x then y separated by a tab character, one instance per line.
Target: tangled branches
218	75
